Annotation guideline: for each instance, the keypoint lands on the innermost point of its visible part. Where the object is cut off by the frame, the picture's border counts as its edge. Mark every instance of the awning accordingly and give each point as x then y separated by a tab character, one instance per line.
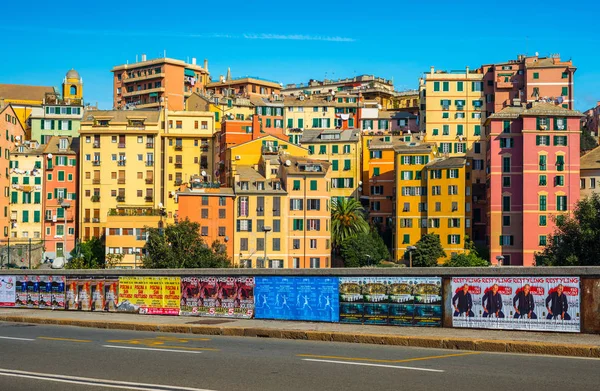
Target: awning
153	94
189	72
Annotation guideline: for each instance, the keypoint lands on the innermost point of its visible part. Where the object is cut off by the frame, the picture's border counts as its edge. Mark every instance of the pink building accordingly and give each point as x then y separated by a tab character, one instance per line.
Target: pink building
592	120
533	176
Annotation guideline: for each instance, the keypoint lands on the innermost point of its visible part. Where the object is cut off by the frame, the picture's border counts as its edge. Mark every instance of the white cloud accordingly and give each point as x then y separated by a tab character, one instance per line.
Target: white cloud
298	37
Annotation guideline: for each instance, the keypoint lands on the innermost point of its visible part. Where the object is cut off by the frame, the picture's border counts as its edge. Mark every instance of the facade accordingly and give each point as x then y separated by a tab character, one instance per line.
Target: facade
118	151
213	209
341	148
590	173
591	122
270	114
534	176
60	190
407	101
14	134
247	86
23	98
148	83
26	177
222	107
528	79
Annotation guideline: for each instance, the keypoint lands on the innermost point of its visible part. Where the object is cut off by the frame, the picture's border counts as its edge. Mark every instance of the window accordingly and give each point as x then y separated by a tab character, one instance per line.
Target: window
559	180
542	181
298	225
506	221
560	141
542	140
477	130
445	86
506	203
406	223
542	220
436	190
506	240
434	223
506	164
453	239
592	183
452	190
477	147
565	91
507	143
542	240
244	244
536	75
542	163
436	86
313	185
446	130
542	202
315	263
459	86
453	223
561	203
560	163
506	181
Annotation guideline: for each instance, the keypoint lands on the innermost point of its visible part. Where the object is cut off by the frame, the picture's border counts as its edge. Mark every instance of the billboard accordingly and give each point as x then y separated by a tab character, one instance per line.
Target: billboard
78	294
149	295
297	298
7	291
516	303
396	301
104	294
27	291
52	292
229	297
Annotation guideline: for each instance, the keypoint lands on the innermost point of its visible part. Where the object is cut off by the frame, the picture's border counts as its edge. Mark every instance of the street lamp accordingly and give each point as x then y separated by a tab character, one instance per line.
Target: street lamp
410	250
266	229
500	259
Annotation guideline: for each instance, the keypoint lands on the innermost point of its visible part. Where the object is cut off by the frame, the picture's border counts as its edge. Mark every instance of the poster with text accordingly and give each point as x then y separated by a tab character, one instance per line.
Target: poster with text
52	292
149	295
7	291
517	303
45	292
297	298
79	293
399	301
229	297
27	291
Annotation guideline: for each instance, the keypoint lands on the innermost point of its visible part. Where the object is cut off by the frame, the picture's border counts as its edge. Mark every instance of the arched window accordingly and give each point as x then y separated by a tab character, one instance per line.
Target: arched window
73	90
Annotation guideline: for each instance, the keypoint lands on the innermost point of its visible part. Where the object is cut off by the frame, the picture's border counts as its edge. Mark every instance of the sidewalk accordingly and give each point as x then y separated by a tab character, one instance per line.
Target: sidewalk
565	344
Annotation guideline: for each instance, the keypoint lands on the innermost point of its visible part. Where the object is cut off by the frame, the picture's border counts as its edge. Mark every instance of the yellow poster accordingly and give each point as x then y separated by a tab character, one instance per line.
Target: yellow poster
150	295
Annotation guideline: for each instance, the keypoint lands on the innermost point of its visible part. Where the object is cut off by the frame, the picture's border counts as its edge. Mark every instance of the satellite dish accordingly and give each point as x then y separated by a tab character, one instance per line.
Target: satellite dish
288	163
49	156
18	138
58	263
359	183
227	238
172	193
203	173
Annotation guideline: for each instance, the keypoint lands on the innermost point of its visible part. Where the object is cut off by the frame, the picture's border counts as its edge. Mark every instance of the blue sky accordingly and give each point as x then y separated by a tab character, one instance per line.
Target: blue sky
295	41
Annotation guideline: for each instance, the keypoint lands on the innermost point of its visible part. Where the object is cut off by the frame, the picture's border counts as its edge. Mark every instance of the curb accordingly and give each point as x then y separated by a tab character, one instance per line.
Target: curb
478	345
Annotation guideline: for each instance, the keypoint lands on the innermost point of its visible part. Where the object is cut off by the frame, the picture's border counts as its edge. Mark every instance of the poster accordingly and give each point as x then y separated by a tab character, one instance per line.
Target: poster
230	297
52	292
517	303
79	293
398	301
7	291
149	295
27	291
297	298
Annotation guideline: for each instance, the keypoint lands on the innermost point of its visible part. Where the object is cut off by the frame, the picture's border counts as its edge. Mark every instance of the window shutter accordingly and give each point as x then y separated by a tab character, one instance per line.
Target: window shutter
52	125
512	240
500	239
426	159
42	127
238	226
249	225
412	160
455	147
59	125
537	123
70	125
449	239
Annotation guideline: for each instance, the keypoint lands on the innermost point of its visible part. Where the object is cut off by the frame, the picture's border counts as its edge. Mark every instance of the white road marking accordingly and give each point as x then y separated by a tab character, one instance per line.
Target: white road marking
18	339
94	382
373	365
156	350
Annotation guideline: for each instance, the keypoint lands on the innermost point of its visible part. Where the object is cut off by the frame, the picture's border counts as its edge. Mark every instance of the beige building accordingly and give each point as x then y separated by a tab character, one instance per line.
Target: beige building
590	173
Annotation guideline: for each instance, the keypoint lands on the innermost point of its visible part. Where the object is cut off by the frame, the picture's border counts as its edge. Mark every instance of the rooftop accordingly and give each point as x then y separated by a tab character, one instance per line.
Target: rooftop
329	135
53	146
303	165
157	61
244	80
379	142
448	162
415	147
21	92
591	160
536	109
122	115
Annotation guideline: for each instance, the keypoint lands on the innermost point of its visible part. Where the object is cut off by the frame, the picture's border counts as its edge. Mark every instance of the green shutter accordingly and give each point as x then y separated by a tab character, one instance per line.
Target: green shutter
36	216
52	125
313	185
290	122
300	122
59	125
334	149
334	165
537	123
25	216
42	123
14	197
296	185
37	197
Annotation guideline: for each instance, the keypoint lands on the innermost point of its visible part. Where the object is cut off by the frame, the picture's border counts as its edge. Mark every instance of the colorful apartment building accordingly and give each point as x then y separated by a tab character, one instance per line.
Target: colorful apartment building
528	79
14	133
270	114
433	198
149	83
187	153
342	148
119	169
591	122
213	208
406	101
590	173
534	176
223	107
60	193
23	99
26	177
246	86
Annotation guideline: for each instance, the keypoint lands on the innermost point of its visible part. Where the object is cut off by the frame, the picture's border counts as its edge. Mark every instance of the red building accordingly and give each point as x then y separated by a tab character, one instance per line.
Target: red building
59	206
533	176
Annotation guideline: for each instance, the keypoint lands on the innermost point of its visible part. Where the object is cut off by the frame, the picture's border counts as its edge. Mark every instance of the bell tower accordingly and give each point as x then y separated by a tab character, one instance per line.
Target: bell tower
72	86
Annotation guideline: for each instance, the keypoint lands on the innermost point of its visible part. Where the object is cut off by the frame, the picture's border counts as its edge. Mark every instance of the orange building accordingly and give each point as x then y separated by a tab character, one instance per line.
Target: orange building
270	114
144	84
14	132
212	208
59	205
247	86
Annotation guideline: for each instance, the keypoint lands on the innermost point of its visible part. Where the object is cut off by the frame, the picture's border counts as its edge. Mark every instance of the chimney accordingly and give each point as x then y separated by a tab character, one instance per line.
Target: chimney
143	57
193	60
255	127
221	78
206	65
467	70
432	70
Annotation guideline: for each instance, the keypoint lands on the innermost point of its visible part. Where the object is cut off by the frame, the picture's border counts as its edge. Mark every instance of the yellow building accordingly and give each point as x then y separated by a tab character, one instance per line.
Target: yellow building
454	115
26	173
119	170
222	107
23	99
406	101
433	197
188	152
73	88
342	148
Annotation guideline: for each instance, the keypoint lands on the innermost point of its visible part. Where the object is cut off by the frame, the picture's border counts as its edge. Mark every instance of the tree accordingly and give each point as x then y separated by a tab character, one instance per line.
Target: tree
576	239
88	255
364	249
587	141
181	246
429	250
470	259
347	220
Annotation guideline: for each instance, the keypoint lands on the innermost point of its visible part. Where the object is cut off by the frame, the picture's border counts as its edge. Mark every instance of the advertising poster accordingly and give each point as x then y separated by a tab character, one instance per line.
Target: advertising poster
8	291
297	298
517	303
79	293
97	293
398	301
45	292
27	292
71	294
230	297
58	292
111	289
149	295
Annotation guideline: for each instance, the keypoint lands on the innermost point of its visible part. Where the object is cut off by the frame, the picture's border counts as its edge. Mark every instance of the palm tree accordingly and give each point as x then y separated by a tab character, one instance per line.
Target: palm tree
347	219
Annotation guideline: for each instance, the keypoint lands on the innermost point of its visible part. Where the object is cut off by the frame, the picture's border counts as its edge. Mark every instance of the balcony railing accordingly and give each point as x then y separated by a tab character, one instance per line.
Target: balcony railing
149	163
178	164
96	144
96	198
121	145
96	181
149	181
149	145
95	220
85	220
121	181
96	162
121	162
149	198
134	212
178	182
178	147
120	198
206	185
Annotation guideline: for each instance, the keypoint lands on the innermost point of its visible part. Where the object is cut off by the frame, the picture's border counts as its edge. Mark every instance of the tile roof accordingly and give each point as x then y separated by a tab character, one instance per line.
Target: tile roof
53	143
296	164
313	135
378	142
24	92
448	162
551	109
122	115
415	147
590	160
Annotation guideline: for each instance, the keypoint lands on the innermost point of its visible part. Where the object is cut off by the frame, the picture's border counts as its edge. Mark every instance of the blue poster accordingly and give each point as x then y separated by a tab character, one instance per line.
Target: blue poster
297	298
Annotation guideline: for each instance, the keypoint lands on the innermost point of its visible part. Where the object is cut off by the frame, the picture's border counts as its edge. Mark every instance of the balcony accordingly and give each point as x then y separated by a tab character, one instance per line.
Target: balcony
149	181
178	164
206	185
121	181
134	212
85	220
178	147
120	198
149	198
143	92
122	145
149	163
49	218
95	220
96	181
150	145
504	84
96	144
143	77
204	148
120	162
178	182
96	198
95	162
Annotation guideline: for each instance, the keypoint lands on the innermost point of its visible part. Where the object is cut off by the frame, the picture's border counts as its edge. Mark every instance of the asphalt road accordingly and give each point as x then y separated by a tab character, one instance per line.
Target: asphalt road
60	357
